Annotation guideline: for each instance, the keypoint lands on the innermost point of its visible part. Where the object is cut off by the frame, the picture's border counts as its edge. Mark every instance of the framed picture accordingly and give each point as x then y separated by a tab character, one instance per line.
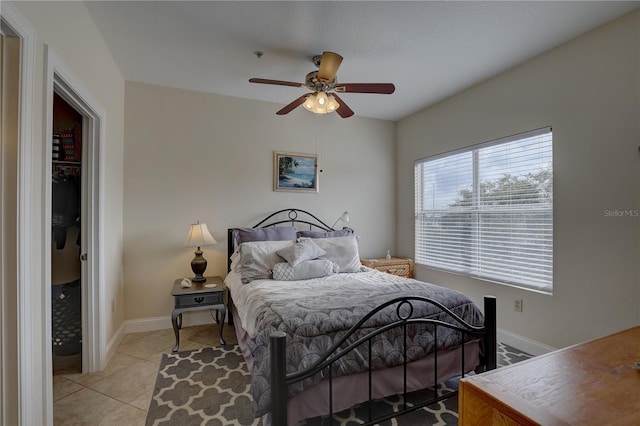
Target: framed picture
295	172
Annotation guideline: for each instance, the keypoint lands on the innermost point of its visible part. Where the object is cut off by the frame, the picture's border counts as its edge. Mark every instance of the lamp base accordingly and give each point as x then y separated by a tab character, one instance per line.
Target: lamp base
198	279
198	266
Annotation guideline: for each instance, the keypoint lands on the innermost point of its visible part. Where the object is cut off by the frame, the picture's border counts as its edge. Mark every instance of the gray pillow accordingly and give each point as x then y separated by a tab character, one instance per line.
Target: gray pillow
272	233
325	234
343	251
257	259
304	270
299	252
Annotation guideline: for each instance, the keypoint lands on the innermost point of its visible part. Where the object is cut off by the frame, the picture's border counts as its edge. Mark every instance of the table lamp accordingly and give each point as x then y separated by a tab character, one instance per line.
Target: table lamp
199	236
344	218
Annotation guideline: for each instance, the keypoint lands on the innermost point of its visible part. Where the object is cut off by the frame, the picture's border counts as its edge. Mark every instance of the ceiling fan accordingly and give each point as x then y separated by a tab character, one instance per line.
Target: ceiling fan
324	85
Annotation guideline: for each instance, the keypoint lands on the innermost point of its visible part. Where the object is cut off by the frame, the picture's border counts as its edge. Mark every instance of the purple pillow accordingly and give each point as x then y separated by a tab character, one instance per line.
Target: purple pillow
272	233
325	234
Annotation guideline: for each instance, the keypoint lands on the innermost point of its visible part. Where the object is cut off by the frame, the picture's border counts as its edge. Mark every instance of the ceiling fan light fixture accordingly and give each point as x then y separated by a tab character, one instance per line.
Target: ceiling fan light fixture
309	103
324	88
332	104
320	103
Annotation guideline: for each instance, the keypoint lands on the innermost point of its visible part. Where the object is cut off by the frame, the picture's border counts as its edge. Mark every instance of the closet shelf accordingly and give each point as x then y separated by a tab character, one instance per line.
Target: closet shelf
73	163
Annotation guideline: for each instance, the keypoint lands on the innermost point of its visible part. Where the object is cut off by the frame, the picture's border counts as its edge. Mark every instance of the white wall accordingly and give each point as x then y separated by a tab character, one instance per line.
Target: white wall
195	156
588	91
68	29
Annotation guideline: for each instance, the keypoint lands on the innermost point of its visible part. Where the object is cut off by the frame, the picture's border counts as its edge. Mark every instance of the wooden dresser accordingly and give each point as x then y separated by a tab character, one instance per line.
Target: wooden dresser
400	266
592	383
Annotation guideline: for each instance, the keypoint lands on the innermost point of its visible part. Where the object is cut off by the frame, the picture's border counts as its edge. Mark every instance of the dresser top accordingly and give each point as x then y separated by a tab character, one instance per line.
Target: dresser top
596	382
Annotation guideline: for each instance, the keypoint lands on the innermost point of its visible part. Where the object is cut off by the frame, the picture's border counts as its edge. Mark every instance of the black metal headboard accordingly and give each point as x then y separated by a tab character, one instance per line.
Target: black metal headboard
293	217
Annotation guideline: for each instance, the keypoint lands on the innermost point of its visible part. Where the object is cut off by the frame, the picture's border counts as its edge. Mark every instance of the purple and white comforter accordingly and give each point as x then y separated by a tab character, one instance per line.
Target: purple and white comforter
316	313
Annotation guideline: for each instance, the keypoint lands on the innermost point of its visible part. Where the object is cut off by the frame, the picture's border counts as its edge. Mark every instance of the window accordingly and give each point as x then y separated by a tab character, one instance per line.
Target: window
487	211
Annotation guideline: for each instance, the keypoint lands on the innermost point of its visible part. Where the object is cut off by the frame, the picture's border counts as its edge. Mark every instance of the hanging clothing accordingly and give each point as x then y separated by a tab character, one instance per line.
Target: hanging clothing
65	207
65	262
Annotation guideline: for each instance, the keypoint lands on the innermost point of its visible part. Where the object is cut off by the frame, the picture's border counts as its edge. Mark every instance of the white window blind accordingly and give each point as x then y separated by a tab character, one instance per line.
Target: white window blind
487	211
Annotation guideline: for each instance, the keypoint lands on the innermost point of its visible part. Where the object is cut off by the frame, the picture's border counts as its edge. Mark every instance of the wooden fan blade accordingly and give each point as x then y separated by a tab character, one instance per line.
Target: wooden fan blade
276	82
381	88
293	105
343	110
329	66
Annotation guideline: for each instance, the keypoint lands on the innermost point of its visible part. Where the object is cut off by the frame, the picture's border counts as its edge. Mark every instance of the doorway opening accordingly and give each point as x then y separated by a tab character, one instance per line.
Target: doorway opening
66	247
74	131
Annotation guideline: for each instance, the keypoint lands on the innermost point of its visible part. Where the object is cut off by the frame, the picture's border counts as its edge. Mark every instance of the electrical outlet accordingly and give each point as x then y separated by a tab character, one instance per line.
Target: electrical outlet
517	305
113	306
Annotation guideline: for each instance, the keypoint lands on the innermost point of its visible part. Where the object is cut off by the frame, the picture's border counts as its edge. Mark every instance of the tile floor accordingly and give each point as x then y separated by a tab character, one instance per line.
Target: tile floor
120	394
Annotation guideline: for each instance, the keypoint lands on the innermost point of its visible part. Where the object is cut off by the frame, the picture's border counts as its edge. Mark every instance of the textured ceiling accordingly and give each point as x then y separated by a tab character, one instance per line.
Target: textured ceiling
429	50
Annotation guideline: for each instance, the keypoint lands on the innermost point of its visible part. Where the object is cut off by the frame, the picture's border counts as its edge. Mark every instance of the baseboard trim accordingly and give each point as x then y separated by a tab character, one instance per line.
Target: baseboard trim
529	346
162	323
112	346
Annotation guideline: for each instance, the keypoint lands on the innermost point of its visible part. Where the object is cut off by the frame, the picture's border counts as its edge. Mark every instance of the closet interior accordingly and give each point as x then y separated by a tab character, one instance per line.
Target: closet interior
66	294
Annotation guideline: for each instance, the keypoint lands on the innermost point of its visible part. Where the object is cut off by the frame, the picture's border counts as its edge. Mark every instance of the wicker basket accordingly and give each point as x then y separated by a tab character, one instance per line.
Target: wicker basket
400	266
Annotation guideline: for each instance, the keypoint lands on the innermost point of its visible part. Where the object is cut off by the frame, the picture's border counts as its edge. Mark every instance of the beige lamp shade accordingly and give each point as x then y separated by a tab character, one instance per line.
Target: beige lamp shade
199	236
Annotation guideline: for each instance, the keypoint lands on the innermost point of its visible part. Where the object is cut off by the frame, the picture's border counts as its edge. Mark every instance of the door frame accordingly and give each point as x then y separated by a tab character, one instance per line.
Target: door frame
61	80
33	397
33	319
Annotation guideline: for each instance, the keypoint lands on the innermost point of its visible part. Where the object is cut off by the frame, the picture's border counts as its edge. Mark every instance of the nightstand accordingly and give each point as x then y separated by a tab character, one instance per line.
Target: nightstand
400	266
207	295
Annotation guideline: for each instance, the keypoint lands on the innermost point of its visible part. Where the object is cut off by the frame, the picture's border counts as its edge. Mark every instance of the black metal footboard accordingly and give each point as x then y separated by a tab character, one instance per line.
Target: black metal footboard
404	310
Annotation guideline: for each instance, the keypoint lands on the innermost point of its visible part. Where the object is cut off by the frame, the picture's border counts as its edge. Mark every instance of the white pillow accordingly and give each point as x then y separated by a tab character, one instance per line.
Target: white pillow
341	250
257	259
304	270
299	252
235	260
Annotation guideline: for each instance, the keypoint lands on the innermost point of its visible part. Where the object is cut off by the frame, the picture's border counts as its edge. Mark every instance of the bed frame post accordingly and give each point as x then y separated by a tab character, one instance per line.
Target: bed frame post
491	339
230	247
278	378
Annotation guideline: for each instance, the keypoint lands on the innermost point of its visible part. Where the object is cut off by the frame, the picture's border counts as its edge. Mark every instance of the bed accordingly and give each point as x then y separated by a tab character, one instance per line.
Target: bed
321	333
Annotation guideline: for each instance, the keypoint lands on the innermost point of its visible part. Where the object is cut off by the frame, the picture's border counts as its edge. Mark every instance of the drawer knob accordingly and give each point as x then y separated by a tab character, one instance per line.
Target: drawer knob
198	299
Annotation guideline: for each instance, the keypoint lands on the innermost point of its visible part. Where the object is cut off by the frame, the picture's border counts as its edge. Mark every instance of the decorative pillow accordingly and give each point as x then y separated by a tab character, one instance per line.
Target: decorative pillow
304	270
257	259
272	233
343	251
299	252
325	234
235	261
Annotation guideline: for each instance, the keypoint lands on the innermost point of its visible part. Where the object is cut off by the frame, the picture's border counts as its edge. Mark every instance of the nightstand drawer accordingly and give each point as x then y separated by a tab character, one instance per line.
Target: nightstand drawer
187	300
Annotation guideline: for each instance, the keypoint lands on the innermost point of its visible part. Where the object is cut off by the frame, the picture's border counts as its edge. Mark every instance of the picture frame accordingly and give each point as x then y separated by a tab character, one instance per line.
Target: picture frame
295	172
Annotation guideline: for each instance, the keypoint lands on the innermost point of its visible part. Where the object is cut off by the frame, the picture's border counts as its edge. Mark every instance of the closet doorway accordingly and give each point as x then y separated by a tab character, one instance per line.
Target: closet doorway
74	132
66	238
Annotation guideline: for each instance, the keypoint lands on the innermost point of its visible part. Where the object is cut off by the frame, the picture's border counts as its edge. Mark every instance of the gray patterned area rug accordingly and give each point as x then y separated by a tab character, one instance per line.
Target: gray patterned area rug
211	386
